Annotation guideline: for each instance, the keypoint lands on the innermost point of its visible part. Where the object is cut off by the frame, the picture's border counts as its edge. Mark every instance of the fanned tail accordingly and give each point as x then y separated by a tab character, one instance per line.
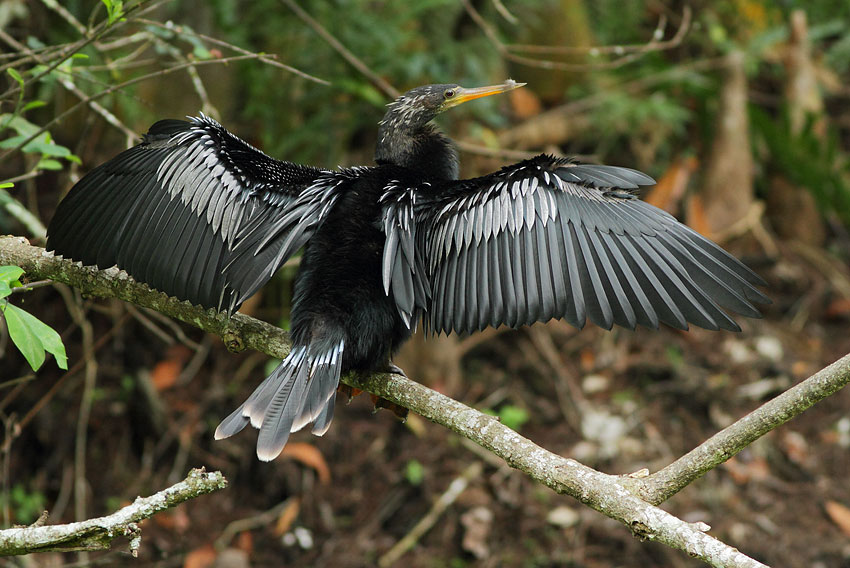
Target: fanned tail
299	391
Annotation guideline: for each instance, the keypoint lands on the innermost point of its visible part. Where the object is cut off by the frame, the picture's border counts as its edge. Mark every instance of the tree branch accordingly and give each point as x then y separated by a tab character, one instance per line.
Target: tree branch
665	483
628	499
98	534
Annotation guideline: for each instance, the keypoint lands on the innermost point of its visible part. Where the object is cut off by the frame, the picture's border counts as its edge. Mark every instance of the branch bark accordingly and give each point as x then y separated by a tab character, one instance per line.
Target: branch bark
98	534
628	499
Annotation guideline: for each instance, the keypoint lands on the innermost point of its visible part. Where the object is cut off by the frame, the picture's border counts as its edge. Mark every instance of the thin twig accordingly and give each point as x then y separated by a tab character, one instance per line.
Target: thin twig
120	86
504	12
71	87
66	15
625	55
456	487
249	523
264	58
665	483
31	286
24	216
149	325
355	61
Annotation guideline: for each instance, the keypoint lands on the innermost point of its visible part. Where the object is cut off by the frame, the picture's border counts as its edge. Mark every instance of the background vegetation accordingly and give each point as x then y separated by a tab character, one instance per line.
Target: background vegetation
738	108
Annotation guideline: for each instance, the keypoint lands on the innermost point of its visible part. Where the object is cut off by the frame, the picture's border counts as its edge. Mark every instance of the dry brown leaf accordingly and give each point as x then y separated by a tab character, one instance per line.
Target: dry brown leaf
202	557
838	308
310	456
742	472
175	520
696	217
477	523
840	515
795	447
670	189
287	517
165	373
525	103
587	359
249	306
245	541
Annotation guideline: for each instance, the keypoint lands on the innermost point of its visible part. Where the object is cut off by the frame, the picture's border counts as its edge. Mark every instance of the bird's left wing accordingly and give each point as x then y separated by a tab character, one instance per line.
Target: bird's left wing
193	211
549	238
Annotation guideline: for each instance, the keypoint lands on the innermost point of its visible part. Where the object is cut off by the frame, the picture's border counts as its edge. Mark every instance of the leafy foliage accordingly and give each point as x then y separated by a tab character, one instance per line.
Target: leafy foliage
806	159
32	336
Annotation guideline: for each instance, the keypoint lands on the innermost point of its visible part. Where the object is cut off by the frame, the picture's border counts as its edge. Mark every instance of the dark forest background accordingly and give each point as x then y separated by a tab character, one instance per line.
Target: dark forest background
741	110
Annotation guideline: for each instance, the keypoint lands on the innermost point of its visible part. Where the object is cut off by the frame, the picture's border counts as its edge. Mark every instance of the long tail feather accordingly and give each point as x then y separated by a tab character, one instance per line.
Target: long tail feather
301	390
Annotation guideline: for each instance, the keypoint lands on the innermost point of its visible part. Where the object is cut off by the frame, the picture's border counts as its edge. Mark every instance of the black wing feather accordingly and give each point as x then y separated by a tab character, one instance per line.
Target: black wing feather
170	212
550	238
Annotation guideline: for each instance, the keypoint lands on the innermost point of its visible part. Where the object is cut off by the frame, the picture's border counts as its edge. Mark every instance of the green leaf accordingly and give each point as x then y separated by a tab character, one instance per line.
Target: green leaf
48	164
15	75
19	124
33	337
24	336
6	185
114	10
10	274
33	104
45	146
414	472
513	416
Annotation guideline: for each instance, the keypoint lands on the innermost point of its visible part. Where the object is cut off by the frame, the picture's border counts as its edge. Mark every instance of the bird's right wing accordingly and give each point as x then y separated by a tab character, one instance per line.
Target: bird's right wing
548	238
193	211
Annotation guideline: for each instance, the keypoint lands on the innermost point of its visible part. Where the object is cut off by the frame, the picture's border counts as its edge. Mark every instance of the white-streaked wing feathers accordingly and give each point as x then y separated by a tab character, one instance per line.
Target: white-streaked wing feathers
171	210
548	238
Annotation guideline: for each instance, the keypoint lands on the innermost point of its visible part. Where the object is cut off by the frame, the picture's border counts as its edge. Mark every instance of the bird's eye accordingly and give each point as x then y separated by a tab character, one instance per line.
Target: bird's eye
449	93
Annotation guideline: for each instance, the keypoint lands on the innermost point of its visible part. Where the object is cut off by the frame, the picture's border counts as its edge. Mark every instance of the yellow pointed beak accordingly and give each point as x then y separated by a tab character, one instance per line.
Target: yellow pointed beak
463	95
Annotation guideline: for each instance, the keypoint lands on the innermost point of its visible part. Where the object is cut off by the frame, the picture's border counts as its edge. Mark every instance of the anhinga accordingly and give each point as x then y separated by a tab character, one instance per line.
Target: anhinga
201	215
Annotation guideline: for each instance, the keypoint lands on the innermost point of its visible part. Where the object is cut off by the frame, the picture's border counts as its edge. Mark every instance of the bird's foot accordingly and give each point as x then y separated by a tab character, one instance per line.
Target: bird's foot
393	369
348	392
398	411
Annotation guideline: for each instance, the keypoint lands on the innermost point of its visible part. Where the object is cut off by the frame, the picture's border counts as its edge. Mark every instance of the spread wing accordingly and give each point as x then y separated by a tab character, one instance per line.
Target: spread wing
194	212
548	238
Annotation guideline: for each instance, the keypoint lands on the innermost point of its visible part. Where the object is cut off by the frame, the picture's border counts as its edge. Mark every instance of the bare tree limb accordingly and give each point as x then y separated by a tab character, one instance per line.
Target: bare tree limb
98	533
665	483
608	494
629	499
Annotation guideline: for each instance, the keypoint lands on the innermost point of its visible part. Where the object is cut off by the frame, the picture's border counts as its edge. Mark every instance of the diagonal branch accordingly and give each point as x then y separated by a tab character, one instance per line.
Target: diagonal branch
98	533
628	499
665	483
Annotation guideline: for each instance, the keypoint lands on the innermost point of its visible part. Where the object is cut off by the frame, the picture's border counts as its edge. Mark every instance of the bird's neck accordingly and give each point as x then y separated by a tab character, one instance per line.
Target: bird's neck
424	150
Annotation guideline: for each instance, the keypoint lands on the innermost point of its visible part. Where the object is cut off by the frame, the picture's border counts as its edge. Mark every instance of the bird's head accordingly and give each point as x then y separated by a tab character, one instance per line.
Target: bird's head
418	106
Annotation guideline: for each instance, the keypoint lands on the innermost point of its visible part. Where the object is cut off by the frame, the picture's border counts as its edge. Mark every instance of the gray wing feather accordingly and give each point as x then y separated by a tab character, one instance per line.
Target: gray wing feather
403	270
549	238
300	391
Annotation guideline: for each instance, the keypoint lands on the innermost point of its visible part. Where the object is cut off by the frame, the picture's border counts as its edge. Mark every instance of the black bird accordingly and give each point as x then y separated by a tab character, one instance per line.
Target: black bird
201	215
